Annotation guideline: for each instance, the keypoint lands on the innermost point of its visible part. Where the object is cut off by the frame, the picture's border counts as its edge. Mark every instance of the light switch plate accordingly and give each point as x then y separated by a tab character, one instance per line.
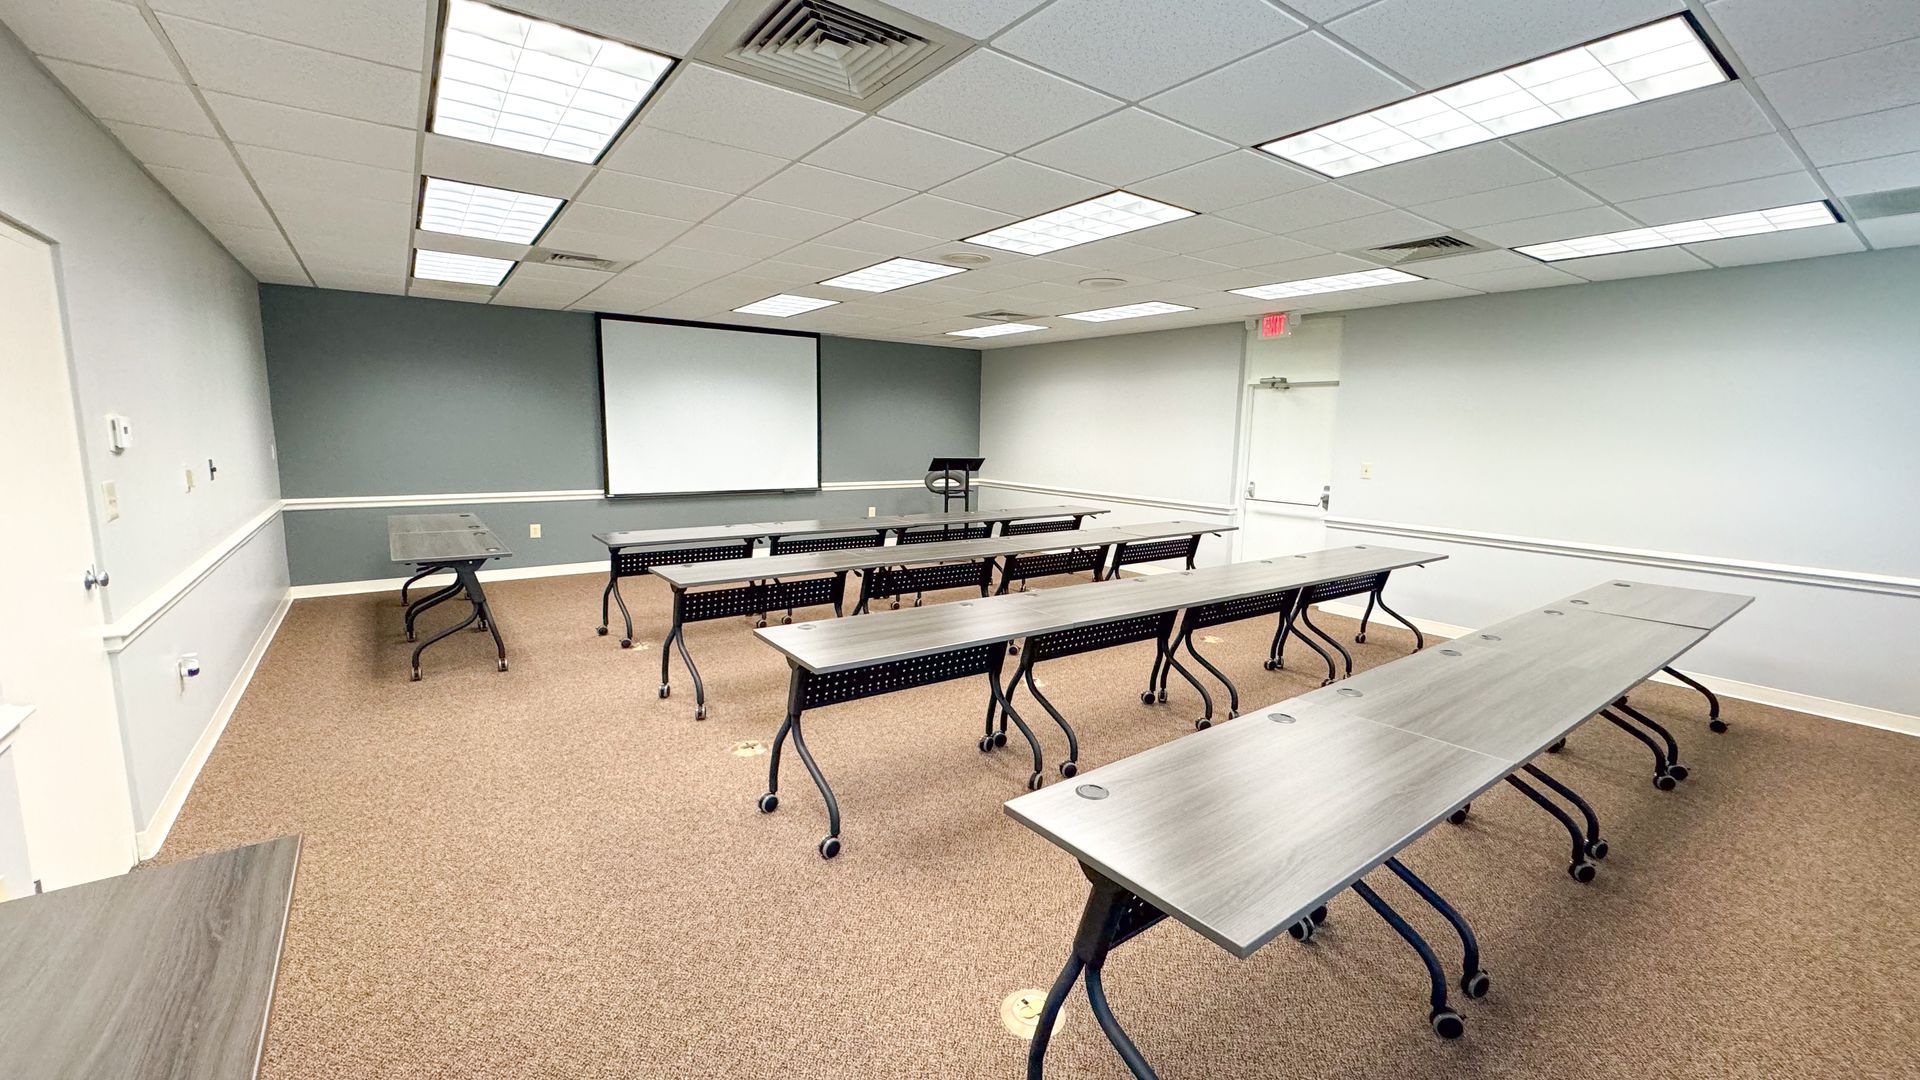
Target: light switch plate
110	499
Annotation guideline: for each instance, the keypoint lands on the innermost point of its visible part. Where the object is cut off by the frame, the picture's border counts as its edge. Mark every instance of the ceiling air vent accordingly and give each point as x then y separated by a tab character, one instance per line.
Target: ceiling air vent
1001	316
1431	247
1879	204
854	51
572	261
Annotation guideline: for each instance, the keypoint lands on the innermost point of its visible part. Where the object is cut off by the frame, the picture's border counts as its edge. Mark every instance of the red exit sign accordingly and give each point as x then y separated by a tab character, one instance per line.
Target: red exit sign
1274	325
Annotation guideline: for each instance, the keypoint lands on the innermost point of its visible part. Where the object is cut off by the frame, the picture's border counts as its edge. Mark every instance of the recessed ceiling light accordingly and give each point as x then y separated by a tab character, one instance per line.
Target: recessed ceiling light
995	330
1126	311
513	217
1365	279
466	269
892	274
1647	62
532	85
1112	214
967	258
1778	219
783	305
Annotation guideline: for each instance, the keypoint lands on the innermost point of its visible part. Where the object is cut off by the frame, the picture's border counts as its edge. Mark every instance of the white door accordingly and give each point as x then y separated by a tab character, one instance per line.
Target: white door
69	769
1289	470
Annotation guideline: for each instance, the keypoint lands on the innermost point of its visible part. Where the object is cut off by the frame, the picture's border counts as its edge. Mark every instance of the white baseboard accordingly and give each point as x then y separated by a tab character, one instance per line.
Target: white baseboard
1864	715
149	839
516	573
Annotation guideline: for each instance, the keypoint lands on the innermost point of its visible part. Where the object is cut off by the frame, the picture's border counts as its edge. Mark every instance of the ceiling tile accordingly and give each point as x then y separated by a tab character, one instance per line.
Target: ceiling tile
1632	264
113	95
1373	230
1857	138
669	26
1891	232
1743	159
253	245
1711	114
1384	296
666	155
1436	44
993	100
644	194
1517	278
342	223
1774	34
1019	187
257	67
708	103
282	127
1465	171
935	216
1561	226
610	233
1126	146
347	281
497	166
731	241
978	19
1507	204
158	146
1098	42
1322	10
1108	254
1318	205
826	258
1243	176
1735	198
103	33
715	263
1877	174
1176	268
813	188
1452	267
1297	84
1202	232
1778	247
894	153
223	198
774	219
279	170
877	239
470	245
1882	78
1262	252
393	32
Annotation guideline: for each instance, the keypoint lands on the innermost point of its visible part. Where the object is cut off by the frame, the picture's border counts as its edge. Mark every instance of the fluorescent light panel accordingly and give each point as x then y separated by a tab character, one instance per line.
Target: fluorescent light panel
996	330
490	213
892	274
784	305
1126	311
1112	214
1365	279
465	269
532	85
1778	219
1647	62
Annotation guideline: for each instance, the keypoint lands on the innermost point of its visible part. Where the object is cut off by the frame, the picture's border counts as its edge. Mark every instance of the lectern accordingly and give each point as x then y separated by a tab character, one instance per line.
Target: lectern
952	478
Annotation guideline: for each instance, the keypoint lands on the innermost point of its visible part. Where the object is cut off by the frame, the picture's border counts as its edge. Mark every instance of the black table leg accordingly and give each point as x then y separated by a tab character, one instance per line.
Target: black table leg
432	599
1446	1023
470	577
677	639
1714	723
1473	979
1674	768
467	582
1596	847
1579	869
1112	917
1662	779
830	846
418	574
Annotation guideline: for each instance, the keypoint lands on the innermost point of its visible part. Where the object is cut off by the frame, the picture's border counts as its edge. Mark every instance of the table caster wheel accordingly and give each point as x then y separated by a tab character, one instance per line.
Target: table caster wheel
1718	727
1360	639
699	712
1596	849
1161	697
1581	872
786	620
769	803
1447	1023
1557	747
1475	985
1327	681
985	743
1202	724
1665	782
916	601
1146	697
999	738
415	677
503	665
1458	817
1678	772
626	643
1068	769
1013	650
602	631
895	606
1034	782
758	623
829	847
1301	931
1319	915
665	690
409	635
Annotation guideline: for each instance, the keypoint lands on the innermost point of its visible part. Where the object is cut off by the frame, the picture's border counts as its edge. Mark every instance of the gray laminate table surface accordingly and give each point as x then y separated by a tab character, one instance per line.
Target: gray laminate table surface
431	538
1661	603
164	972
754	530
882	637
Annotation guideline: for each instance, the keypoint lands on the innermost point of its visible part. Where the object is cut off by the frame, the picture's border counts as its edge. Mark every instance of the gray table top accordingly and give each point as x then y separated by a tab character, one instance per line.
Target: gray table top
729	571
753	530
881	637
1661	603
1242	830
167	971
431	538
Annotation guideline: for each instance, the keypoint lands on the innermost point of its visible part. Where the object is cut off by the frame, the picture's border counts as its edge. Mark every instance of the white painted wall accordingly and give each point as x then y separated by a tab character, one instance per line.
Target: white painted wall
163	327
1761	414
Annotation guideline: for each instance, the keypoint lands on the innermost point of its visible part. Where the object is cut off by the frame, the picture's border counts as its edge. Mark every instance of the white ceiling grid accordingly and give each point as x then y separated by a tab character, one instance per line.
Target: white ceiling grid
295	132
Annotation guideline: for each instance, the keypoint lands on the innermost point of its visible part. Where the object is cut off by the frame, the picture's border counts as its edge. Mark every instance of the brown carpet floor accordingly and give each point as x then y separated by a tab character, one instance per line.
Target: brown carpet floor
553	873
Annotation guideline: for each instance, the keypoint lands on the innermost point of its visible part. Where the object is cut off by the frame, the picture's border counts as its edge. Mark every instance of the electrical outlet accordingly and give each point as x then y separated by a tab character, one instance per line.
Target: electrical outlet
873	511
1366	470
110	496
189	472
533	531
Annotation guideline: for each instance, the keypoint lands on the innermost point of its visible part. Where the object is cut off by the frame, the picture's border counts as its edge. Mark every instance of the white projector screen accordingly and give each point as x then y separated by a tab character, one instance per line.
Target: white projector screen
694	409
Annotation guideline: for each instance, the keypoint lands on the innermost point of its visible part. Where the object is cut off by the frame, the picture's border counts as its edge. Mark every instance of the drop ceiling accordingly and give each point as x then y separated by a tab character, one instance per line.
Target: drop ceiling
295	132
